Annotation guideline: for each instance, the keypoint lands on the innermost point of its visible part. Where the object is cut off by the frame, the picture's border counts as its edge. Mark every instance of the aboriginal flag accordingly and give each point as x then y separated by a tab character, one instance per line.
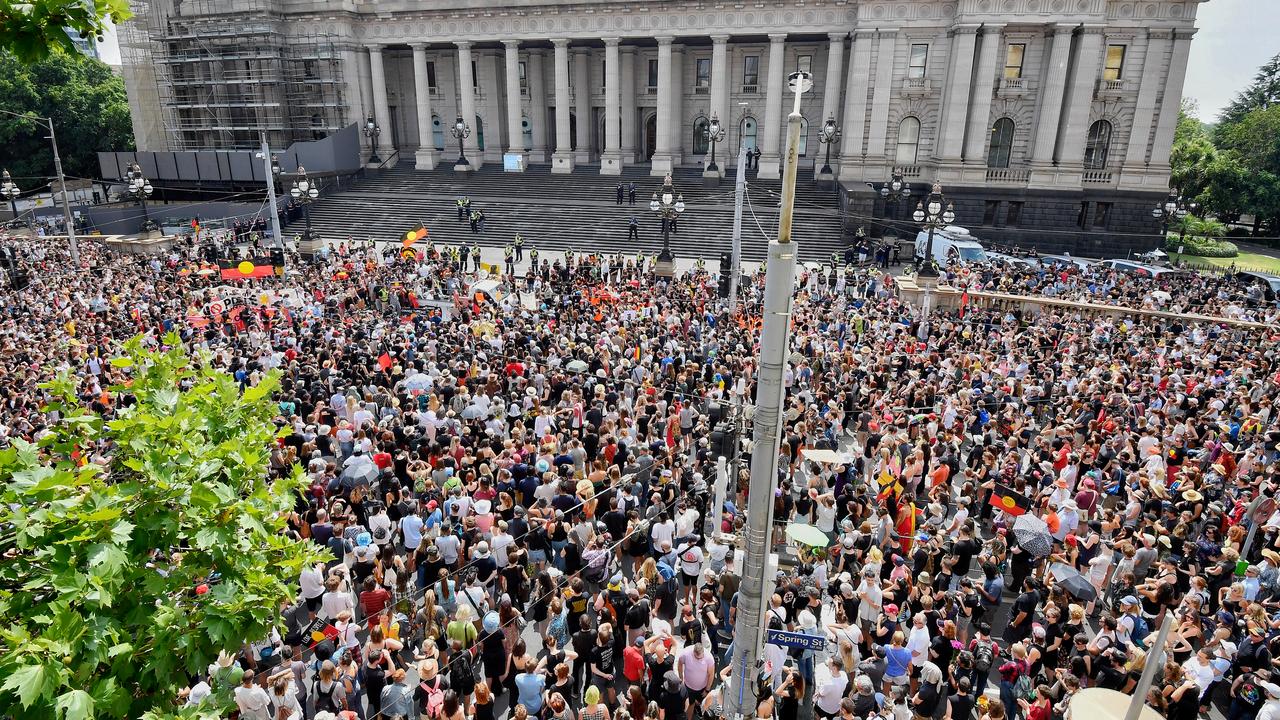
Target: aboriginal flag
414	235
254	267
1009	500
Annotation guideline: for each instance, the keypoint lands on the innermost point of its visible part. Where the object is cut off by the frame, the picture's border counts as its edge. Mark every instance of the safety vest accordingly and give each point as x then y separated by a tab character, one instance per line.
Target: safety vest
509	252
519	240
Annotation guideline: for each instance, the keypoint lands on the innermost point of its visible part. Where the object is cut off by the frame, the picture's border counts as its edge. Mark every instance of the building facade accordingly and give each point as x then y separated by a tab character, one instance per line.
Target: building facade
1037	116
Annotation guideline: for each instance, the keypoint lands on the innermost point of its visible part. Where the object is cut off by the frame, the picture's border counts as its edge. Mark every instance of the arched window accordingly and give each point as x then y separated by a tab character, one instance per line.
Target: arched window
526	131
804	136
1001	144
437	132
908	140
700	144
747	132
479	131
1097	146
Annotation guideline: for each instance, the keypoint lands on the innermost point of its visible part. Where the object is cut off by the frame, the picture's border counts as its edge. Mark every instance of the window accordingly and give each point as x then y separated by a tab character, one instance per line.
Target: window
431	77
918	59
804	63
475	76
908	140
989	210
700	145
1001	143
702	81
437	132
804	136
1115	63
524	78
1013	60
1083	216
526	131
1101	214
653	76
750	73
1097	146
479	129
747	133
1014	212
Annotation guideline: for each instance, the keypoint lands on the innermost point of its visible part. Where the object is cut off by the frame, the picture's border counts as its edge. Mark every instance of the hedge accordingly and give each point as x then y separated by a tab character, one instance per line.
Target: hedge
1203	247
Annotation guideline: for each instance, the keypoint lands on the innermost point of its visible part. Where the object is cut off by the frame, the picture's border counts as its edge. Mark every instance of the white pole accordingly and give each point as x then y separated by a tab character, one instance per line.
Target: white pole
780	272
271	191
1155	660
66	201
740	189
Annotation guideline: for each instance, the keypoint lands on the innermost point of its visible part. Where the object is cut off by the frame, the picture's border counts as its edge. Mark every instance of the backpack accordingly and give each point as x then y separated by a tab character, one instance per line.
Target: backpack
435	698
984	656
1022	687
668	574
1140	630
326	701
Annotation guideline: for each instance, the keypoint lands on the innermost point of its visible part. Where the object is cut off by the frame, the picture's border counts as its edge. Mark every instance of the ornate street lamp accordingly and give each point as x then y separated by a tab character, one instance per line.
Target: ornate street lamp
668	205
1173	206
372	131
460	131
304	191
10	192
828	135
139	188
715	133
935	212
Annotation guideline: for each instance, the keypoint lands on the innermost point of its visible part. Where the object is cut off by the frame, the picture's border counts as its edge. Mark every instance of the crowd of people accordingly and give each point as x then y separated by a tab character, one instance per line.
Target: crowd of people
516	491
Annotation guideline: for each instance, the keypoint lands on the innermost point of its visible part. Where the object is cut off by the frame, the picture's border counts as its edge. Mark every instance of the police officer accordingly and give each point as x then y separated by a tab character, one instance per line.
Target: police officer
475	220
462	208
475	256
533	257
509	255
640	263
633	229
568	257
699	265
466	253
519	247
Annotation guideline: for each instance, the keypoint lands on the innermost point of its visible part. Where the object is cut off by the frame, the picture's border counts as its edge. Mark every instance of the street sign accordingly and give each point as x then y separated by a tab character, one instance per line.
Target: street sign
796	640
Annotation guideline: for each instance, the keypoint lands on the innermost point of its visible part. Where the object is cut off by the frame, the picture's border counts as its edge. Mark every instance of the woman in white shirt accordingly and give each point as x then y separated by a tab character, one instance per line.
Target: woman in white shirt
336	598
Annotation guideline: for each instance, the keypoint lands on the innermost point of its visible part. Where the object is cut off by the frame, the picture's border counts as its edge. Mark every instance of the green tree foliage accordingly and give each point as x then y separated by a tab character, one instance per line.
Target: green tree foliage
1262	93
86	102
1255	137
110	524
33	29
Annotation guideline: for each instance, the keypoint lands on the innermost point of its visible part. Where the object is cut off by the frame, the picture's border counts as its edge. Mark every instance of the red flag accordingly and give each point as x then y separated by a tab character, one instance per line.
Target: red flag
384	361
1009	500
964	300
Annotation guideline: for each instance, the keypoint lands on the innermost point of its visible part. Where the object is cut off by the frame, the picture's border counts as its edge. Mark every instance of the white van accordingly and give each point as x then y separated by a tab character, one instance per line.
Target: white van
950	243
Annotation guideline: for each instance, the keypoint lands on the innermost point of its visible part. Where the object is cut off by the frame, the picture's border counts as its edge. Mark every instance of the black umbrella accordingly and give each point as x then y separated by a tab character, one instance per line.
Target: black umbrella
1070	579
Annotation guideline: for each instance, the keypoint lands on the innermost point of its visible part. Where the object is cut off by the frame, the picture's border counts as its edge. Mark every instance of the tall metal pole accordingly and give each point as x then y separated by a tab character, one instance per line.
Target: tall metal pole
1155	660
271	190
740	190
72	246
780	272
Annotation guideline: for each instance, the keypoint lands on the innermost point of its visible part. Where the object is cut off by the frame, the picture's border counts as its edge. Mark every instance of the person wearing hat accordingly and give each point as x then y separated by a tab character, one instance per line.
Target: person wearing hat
397	697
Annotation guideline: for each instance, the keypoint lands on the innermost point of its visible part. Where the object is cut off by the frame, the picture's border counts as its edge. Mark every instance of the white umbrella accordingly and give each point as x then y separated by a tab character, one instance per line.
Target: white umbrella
576	366
418	381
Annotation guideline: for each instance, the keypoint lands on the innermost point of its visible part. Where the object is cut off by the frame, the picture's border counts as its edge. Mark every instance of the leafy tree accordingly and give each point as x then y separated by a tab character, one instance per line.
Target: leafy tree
1262	93
33	29
1204	227
86	102
136	545
1256	137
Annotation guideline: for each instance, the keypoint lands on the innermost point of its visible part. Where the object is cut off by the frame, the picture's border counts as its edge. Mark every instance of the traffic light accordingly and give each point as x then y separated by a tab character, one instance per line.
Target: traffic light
726	275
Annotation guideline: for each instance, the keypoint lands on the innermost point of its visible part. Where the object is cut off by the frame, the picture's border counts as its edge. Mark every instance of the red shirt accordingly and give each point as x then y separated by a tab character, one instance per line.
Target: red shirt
373	601
382	460
633	663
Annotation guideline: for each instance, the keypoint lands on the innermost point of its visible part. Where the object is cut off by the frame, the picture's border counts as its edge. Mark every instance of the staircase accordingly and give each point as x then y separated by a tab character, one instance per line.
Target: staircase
578	211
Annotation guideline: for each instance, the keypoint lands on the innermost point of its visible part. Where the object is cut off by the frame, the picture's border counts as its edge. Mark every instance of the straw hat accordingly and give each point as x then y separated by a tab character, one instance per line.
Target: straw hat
1191	495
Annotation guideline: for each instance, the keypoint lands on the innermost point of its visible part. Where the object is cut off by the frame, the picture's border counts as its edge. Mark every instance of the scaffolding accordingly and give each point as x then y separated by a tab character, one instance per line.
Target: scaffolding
226	70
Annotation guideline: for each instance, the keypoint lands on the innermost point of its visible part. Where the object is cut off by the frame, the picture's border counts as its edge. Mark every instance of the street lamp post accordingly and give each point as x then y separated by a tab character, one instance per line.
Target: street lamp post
1173	206
829	135
935	212
715	133
139	188
461	131
72	248
10	191
893	193
668	205
303	192
372	131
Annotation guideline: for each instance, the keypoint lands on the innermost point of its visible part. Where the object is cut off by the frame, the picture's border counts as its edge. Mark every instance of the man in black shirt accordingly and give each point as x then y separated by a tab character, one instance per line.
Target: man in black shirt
659	662
961	701
964	550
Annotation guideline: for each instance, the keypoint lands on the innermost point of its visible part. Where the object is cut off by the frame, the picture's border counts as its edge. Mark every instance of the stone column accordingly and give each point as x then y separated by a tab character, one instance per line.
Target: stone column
955	108
678	129
425	158
1145	108
1051	97
562	160
975	141
835	70
1163	142
770	157
628	89
354	92
467	106
611	160
381	111
1083	81
719	90
515	130
666	97
880	96
853	130
537	106
582	99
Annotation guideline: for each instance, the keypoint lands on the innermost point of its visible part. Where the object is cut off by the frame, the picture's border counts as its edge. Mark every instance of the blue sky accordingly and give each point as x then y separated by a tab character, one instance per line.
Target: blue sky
1235	37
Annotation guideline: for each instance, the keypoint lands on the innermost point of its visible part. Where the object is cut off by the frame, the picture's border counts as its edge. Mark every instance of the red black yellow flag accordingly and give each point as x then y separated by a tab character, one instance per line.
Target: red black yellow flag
1009	500
414	235
255	267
